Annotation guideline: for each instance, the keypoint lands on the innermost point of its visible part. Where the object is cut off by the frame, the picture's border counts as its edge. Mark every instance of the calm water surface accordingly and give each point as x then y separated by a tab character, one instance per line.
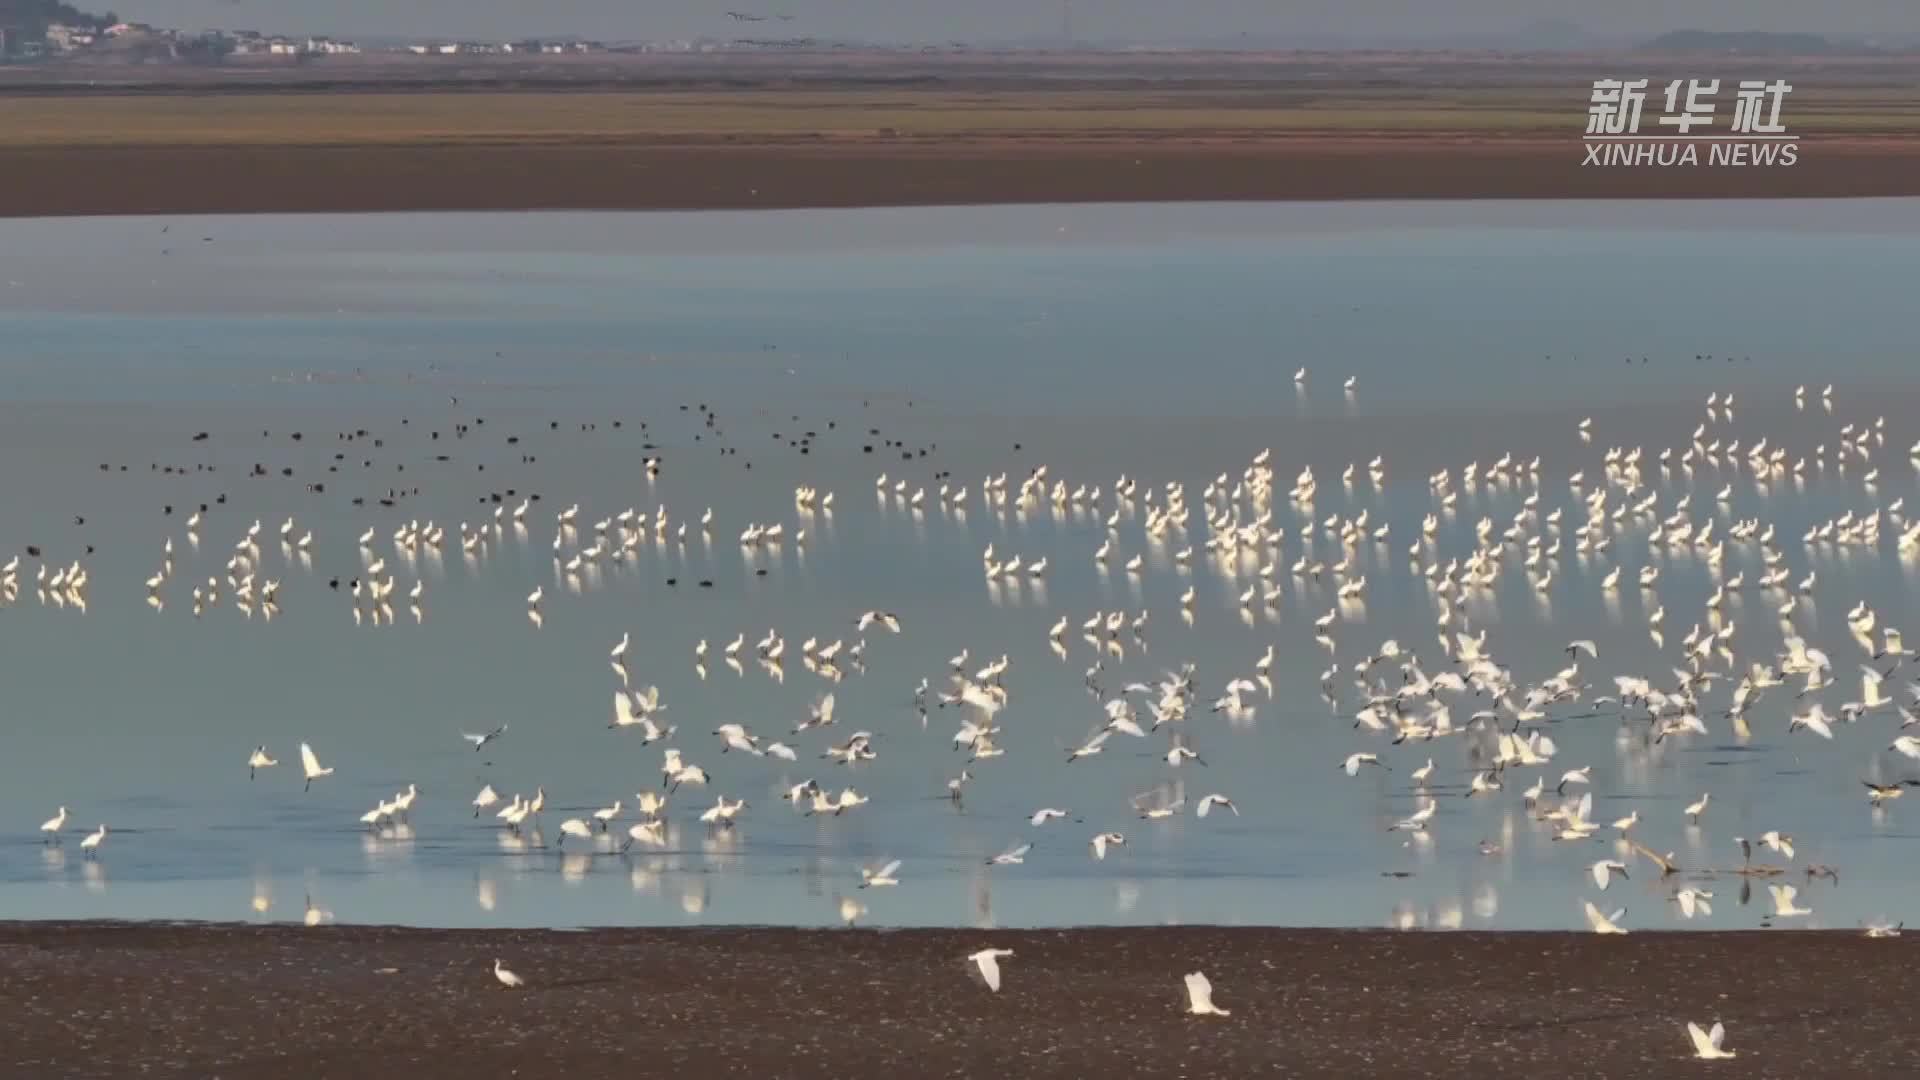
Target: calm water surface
1158	343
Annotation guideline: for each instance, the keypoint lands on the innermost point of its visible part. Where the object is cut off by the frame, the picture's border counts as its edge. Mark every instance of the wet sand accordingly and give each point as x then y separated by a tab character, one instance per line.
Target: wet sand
85	1000
748	173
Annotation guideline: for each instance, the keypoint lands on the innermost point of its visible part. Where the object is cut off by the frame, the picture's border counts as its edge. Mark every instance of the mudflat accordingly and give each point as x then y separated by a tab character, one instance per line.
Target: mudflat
257	179
781	133
113	1000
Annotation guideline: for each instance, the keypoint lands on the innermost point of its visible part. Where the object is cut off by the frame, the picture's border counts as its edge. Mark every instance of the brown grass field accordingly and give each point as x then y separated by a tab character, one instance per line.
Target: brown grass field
679	137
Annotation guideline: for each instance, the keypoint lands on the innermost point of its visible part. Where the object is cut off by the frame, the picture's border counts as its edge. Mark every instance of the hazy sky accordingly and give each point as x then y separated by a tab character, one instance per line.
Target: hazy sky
939	20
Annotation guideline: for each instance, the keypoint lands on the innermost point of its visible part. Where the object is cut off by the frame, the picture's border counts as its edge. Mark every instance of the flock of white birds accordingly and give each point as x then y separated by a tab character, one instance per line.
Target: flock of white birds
1397	701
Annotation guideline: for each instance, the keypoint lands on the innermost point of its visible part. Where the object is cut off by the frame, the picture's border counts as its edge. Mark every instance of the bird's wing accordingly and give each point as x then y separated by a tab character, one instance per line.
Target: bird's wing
472	738
887	870
622	708
989	970
308	759
825	711
1717	1034
1199	992
1702	1042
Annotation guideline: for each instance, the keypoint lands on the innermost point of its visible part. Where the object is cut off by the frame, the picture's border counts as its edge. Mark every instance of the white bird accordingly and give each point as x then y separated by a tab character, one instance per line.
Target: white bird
52	826
1209	802
1783	905
650	833
987	963
258	760
735	737
481	740
870	878
1013	856
1706	1044
486	798
94	839
1418	819
310	764
1099	843
1354	761
507	978
315	916
1603	924
574	827
1575	776
1694	900
1200	996
1044	815
1604	870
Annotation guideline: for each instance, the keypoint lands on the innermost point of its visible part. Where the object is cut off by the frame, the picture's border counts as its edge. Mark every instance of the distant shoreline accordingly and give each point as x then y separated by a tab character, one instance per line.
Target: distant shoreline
97	180
728	136
197	1000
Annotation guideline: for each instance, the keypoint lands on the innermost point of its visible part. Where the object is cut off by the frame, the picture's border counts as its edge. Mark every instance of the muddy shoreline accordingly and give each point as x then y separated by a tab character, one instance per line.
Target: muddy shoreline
102	999
85	180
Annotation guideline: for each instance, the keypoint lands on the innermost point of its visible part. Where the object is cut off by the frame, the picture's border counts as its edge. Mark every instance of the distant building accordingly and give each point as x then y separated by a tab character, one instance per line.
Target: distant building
62	38
329	47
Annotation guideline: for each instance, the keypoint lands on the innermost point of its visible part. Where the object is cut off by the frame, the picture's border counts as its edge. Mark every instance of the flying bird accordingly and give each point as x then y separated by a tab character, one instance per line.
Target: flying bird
986	965
310	764
479	741
1706	1044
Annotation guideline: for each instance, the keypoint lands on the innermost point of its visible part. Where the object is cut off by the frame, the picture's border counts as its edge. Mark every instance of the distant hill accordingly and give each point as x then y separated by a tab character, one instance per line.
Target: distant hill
1743	42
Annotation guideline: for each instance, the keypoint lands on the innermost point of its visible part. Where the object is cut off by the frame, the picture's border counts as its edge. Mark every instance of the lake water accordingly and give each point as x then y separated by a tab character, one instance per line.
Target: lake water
1159	343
